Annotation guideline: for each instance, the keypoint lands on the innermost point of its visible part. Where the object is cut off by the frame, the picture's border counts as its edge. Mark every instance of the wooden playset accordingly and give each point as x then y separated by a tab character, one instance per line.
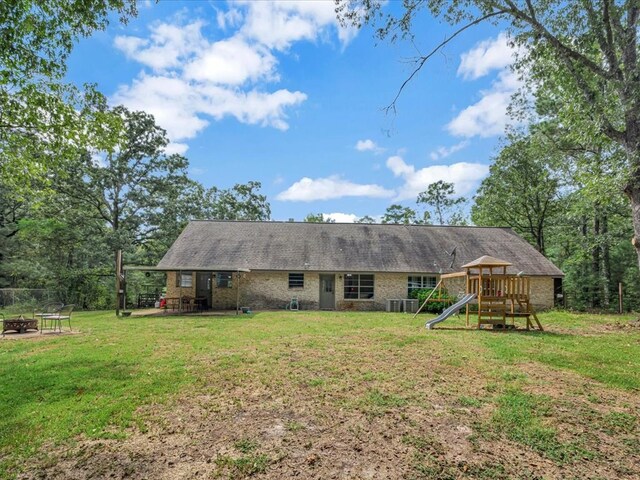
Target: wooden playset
500	297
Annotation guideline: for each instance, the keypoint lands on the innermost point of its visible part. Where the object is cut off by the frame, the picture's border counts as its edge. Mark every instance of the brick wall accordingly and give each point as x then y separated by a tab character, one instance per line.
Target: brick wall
174	292
270	290
542	292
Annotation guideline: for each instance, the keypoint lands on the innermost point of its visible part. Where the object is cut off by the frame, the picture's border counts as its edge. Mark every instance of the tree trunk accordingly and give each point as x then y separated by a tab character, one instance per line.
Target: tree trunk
606	262
632	190
595	263
586	290
118	266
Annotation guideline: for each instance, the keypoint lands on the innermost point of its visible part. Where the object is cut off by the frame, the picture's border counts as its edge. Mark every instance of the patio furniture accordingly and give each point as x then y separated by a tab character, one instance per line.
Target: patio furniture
56	319
172	303
48	309
200	304
19	324
187	304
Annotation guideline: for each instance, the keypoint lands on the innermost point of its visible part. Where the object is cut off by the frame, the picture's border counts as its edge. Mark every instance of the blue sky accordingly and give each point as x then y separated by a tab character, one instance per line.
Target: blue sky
277	92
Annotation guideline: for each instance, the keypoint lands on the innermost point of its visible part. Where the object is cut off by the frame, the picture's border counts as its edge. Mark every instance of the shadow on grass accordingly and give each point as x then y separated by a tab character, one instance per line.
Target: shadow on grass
518	331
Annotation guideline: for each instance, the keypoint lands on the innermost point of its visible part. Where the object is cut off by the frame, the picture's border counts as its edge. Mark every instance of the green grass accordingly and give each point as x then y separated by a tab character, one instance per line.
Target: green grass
518	417
102	383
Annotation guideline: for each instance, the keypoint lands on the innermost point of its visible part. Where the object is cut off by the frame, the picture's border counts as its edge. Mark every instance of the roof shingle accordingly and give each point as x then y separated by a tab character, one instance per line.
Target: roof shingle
340	247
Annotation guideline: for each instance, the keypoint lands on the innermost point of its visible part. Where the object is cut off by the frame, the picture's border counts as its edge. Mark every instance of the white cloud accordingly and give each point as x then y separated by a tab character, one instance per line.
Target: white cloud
188	79
399	168
167	46
229	19
277	24
179	105
368	145
194	80
443	152
177	148
487	117
341	217
465	176
485	56
231	62
172	101
309	190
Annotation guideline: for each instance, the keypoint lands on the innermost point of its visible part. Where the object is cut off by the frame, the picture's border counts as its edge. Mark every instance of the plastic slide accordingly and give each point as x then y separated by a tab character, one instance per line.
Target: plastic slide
451	310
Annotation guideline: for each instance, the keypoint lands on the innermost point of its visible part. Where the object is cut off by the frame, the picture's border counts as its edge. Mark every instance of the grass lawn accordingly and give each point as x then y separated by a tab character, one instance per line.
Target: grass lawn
322	395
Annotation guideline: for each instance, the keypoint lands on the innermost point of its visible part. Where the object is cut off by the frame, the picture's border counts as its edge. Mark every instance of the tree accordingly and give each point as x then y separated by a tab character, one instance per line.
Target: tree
439	196
127	187
366	219
585	54
241	202
13	208
318	218
522	190
398	214
42	120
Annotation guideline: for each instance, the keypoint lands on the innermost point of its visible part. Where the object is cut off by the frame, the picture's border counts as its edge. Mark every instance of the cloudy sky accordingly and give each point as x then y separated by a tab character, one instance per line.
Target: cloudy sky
278	92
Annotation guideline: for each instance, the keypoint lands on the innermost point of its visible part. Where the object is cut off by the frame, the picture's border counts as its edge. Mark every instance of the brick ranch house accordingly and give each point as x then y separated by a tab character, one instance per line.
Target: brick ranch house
336	265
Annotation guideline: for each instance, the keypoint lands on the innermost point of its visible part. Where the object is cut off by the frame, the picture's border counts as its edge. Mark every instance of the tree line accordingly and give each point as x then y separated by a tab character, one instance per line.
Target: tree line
80	179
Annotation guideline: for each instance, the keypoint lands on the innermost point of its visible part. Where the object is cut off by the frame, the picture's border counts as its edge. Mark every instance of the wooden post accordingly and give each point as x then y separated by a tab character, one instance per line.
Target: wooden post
118	272
238	292
620	297
468	290
180	299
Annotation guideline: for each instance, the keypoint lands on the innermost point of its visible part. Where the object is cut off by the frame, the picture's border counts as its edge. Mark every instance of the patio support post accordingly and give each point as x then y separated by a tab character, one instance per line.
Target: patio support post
180	283
118	279
238	292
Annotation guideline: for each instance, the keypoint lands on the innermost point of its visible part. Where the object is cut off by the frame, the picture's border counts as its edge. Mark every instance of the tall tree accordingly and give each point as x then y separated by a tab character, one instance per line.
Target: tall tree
127	187
400	215
522	190
585	54
241	202
440	196
366	219
42	120
318	218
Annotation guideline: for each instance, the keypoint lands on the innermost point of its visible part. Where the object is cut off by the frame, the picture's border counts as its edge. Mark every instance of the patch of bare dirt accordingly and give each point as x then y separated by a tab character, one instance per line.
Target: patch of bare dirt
387	413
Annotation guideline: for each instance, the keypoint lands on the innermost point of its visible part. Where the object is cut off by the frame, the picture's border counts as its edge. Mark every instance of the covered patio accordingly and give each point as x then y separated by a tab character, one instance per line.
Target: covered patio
192	292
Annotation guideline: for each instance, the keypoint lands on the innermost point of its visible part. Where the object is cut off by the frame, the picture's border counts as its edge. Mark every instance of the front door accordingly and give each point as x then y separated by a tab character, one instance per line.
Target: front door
327	292
203	288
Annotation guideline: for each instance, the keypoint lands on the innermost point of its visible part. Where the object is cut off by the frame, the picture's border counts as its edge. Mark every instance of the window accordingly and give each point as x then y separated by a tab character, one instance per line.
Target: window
223	280
184	280
296	280
418	282
358	286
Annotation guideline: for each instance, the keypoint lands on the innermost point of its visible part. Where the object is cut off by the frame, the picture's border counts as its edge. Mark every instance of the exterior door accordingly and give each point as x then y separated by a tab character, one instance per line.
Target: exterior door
327	292
203	288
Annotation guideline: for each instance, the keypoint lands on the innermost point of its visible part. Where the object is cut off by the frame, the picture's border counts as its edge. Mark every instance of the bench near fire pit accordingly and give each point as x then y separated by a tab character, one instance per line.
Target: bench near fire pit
19	324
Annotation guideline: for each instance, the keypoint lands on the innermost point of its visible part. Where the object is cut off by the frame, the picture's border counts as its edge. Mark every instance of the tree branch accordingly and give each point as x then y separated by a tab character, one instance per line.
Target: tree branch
422	60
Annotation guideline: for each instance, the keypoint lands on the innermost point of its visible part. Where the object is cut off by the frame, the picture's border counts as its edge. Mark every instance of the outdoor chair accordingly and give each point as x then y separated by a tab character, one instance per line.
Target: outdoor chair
55	319
48	309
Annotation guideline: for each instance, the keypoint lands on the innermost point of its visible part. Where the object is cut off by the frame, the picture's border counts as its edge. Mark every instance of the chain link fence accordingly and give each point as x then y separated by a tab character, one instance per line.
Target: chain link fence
20	298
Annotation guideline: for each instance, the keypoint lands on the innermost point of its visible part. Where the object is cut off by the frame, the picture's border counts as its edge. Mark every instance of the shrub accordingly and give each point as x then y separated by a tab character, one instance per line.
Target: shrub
433	306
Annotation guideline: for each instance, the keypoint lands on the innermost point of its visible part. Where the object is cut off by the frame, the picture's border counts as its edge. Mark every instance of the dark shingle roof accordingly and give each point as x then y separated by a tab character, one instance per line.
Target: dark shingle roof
340	247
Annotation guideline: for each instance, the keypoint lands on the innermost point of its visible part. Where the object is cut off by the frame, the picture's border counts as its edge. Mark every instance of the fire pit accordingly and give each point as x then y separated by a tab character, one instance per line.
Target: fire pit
19	324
